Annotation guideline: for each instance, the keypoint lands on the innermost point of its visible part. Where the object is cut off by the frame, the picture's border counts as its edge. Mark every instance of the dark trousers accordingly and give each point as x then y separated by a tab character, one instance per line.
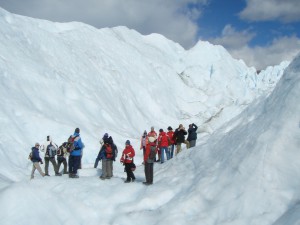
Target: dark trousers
149	172
74	163
53	161
64	162
129	172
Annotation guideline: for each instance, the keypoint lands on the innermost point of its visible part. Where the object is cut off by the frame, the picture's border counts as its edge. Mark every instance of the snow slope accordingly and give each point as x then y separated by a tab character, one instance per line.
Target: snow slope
55	77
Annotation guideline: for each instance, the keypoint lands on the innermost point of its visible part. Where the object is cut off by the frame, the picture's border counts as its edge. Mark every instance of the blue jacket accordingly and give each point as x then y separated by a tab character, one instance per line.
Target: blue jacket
78	145
35	155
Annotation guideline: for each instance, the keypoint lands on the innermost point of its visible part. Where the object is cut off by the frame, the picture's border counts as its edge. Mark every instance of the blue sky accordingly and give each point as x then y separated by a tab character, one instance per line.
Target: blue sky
260	32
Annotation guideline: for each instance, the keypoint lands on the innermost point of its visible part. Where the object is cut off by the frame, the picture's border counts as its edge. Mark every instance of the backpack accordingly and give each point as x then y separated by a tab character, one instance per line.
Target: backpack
152	154
70	144
30	156
60	150
108	151
51	150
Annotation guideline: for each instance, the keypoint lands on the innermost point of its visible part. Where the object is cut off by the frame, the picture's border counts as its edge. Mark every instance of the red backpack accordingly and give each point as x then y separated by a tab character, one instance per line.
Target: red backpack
108	151
70	145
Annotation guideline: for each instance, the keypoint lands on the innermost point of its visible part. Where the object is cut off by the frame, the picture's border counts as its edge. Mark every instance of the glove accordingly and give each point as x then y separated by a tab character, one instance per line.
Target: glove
41	162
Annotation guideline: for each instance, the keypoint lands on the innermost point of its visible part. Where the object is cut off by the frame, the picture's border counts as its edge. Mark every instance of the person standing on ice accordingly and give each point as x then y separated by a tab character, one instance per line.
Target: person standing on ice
192	136
180	133
149	157
144	142
152	142
107	154
50	149
127	160
105	137
163	143
75	155
36	159
170	134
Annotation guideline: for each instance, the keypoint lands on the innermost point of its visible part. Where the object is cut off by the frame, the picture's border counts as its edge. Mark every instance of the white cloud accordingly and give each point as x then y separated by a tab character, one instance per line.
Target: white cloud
281	49
236	42
173	19
269	10
232	39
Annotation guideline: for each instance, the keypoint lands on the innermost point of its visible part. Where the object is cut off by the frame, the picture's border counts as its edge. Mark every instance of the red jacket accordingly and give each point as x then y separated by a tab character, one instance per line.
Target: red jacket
170	134
127	155
163	140
152	134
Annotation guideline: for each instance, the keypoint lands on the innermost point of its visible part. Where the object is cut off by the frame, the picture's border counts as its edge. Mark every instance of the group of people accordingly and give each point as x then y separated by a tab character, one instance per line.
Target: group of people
156	146
154	149
71	150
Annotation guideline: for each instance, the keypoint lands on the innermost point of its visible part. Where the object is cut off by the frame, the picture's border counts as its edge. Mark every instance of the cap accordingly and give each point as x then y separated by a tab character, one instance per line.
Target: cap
170	128
161	130
77	130
127	142
105	135
37	144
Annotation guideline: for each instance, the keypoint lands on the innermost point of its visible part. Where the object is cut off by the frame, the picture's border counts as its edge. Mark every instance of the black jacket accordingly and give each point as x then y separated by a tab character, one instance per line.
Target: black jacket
179	134
192	133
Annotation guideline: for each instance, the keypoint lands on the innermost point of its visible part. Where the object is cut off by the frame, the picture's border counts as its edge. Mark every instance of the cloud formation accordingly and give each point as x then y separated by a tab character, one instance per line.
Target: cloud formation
270	10
173	19
236	42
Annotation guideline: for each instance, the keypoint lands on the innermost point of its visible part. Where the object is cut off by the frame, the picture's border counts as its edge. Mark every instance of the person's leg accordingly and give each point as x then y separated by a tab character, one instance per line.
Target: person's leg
76	165
59	162
178	148
37	166
151	173
168	153
192	143
109	168
162	155
71	165
104	172
46	166
32	171
53	161
187	143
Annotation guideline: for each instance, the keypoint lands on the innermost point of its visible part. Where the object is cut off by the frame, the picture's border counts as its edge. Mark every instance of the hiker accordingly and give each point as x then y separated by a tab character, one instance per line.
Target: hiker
143	142
36	159
127	160
105	136
107	155
75	155
170	133
115	149
50	149
192	135
153	142
163	143
62	155
149	157
180	133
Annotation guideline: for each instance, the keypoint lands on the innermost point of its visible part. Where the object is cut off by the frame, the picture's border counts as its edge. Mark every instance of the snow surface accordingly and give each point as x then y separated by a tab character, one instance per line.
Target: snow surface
56	77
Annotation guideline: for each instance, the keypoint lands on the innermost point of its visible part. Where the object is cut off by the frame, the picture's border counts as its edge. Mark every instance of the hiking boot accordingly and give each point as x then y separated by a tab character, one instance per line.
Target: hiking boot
102	178
71	175
57	174
132	180
146	183
127	181
75	176
47	175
